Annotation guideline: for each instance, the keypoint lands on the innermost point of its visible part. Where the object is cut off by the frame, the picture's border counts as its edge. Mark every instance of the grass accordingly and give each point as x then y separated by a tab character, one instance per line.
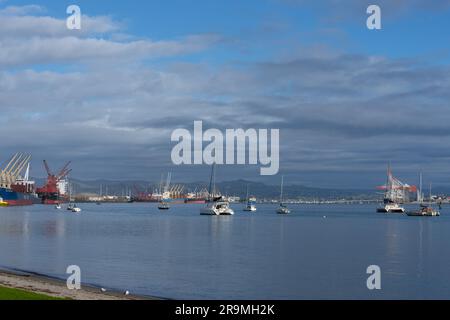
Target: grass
15	294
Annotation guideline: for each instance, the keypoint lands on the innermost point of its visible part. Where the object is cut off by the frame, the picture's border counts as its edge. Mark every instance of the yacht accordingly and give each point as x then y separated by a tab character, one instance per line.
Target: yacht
250	207
283	209
75	209
216	205
217	208
163	206
394	189
424	210
391	207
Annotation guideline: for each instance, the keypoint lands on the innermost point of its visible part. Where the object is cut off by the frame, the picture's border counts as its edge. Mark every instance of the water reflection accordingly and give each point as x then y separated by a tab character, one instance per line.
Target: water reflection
181	254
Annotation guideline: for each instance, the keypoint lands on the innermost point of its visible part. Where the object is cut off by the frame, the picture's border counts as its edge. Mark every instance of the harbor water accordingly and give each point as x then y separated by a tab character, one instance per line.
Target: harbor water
317	252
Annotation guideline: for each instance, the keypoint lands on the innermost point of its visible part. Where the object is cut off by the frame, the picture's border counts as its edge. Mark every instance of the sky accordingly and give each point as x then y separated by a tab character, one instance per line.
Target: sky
347	100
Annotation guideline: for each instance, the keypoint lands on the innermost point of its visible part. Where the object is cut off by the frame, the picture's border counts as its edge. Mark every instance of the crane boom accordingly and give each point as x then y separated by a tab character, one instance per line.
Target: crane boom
47	168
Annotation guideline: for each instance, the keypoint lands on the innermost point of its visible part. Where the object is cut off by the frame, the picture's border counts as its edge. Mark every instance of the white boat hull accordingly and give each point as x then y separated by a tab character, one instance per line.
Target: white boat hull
283	210
391	208
217	209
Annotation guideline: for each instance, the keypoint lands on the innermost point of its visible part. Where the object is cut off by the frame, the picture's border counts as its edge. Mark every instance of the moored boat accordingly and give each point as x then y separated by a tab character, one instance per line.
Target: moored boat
283	209
424	211
391	207
216	205
395	191
217	208
250	207
163	206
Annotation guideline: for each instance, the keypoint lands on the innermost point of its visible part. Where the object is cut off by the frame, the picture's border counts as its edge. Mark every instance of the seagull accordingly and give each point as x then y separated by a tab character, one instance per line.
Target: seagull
126	293
103	289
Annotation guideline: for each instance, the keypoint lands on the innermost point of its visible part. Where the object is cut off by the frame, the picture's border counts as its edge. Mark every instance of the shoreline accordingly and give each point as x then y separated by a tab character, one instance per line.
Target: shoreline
57	288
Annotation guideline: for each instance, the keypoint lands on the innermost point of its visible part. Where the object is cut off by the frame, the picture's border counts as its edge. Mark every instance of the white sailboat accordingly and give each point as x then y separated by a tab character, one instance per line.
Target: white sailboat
424	210
283	209
391	197
215	206
250	207
72	206
164	204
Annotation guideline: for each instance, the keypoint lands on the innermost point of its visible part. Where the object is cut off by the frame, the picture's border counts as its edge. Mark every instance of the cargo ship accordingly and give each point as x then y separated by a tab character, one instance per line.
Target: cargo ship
14	198
17	190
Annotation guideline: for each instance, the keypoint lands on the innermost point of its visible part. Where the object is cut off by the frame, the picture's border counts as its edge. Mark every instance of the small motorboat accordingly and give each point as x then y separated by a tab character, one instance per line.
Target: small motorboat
424	211
75	209
58	207
250	207
163	206
283	209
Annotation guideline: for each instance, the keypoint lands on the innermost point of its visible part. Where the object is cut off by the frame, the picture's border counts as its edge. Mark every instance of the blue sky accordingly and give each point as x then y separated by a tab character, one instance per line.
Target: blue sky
275	20
346	99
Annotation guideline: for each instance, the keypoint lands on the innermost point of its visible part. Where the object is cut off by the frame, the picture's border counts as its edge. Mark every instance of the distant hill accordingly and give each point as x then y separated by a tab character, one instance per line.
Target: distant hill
235	188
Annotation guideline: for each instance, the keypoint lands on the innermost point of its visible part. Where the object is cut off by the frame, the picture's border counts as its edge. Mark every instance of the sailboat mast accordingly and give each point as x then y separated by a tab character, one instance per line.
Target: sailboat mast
388	183
420	189
430	193
212	181
281	193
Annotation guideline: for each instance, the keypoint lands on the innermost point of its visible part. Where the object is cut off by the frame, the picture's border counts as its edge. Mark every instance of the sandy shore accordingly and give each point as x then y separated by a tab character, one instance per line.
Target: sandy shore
57	288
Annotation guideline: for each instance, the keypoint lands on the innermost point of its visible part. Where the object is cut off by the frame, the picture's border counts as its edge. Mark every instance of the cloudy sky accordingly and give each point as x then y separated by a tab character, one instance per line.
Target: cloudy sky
346	99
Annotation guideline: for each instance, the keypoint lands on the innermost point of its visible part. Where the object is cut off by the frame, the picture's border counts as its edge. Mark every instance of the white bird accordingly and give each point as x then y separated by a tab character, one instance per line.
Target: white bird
103	289
126	293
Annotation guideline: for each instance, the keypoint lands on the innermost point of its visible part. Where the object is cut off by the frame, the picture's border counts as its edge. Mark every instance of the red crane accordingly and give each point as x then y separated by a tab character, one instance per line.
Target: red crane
49	193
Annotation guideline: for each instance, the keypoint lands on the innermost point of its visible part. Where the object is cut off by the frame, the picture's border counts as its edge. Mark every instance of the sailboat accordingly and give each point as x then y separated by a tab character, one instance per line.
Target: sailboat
250	207
392	187
215	206
283	209
424	210
72	206
164	204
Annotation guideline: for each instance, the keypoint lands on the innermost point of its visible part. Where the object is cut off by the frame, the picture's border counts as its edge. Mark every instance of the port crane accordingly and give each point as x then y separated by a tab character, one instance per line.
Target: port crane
11	172
49	193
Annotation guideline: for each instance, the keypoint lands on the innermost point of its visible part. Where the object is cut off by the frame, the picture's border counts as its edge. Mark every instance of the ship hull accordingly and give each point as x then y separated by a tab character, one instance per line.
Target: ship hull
14	198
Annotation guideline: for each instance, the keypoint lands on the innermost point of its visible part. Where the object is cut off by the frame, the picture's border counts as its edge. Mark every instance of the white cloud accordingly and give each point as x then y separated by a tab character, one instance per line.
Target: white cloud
332	108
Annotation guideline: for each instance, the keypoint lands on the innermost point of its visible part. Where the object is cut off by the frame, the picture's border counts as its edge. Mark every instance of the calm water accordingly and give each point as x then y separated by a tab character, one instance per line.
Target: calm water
180	254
